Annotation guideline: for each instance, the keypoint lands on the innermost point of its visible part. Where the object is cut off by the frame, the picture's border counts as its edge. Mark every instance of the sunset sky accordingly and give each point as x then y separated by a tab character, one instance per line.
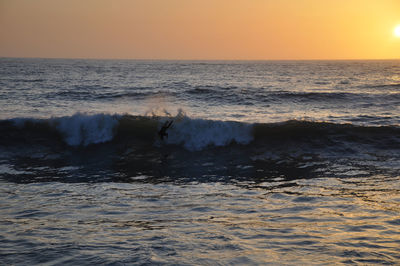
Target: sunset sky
200	29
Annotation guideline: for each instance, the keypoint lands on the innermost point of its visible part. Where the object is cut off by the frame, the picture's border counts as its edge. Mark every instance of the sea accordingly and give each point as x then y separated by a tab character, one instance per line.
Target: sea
265	162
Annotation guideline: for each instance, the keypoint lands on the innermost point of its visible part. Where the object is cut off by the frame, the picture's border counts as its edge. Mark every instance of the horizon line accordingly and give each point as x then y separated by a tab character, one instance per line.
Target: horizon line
171	59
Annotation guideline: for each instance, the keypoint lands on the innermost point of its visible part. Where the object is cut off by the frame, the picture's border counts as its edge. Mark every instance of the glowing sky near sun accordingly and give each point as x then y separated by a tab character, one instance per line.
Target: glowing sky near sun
397	31
200	29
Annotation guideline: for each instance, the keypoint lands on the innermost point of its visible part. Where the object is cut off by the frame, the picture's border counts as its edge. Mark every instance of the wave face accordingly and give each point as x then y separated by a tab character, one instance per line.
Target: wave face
76	130
192	134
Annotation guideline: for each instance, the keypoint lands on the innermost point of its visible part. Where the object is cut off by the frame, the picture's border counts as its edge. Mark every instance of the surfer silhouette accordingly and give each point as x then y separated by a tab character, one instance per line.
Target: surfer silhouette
163	131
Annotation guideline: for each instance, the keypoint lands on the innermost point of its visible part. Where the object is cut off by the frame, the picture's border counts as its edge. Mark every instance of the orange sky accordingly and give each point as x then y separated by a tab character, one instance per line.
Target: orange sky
200	29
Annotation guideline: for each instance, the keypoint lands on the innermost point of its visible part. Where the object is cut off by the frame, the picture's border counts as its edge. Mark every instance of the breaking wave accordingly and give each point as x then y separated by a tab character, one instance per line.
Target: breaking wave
83	130
194	134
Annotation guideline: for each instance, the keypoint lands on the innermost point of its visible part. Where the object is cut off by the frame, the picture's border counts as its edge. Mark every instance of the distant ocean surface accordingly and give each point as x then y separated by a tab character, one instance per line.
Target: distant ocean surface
282	162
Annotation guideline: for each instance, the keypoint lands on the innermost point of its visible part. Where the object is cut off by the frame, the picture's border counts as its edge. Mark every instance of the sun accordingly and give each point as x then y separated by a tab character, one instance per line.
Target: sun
397	31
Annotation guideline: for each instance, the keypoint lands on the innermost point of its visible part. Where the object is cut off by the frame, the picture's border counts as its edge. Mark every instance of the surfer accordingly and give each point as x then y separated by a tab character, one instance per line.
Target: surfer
163	131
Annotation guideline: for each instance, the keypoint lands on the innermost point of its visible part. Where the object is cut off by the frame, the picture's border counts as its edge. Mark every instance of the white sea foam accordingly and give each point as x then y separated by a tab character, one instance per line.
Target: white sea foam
83	129
196	134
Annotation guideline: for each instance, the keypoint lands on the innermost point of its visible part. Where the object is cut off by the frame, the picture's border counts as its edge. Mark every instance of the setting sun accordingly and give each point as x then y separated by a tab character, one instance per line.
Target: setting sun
397	31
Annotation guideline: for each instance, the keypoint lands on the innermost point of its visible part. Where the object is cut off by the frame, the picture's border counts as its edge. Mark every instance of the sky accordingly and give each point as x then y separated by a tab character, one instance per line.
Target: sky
200	29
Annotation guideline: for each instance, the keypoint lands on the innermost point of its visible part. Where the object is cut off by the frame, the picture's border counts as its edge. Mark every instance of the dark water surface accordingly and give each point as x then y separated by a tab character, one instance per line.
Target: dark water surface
314	221
290	162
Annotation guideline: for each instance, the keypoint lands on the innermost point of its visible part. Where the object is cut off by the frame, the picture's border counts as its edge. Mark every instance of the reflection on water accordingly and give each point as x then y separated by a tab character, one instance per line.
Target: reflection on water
299	221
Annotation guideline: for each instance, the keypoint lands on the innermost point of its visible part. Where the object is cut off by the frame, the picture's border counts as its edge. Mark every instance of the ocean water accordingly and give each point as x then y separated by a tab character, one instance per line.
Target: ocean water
281	162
